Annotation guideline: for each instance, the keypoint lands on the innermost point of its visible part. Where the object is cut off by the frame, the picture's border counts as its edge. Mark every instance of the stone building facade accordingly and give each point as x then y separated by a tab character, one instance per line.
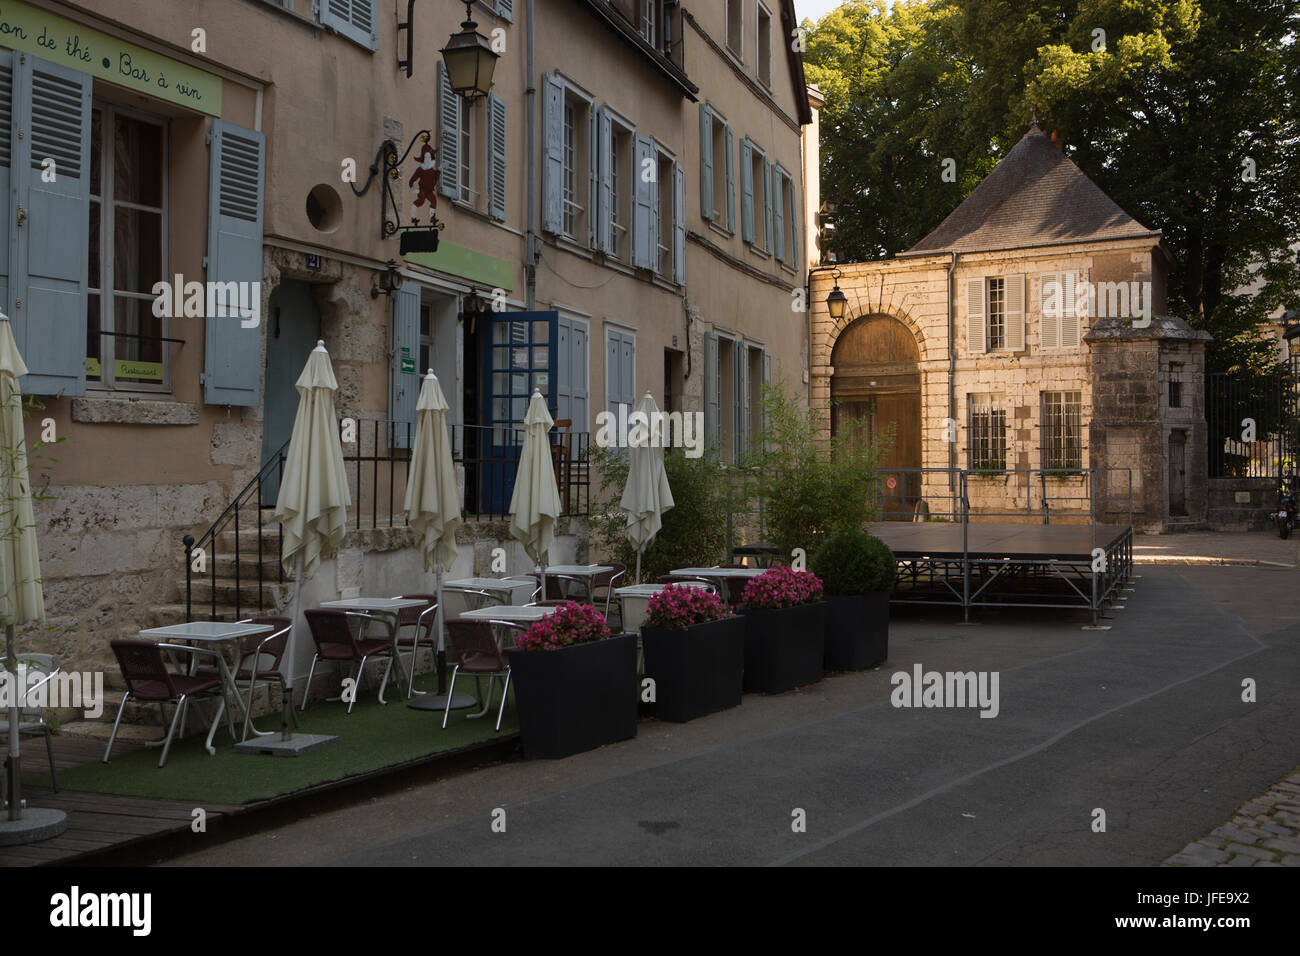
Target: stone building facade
213	141
1022	340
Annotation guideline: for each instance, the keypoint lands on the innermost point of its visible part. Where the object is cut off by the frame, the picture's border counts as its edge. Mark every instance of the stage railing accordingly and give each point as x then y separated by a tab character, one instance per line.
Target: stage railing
1099	496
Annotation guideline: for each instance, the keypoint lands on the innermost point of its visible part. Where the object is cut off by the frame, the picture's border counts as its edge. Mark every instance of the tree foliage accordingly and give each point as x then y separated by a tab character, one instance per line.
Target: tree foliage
1183	111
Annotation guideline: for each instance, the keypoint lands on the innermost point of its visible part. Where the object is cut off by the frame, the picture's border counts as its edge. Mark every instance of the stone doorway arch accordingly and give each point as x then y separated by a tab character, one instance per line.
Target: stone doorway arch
876	387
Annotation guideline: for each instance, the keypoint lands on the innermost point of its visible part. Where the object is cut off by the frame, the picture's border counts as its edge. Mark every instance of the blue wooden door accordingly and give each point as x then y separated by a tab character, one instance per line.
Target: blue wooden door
520	355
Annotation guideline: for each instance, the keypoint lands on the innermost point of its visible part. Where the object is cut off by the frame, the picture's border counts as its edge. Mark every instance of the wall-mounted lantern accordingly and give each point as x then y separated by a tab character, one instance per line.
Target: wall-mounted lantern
470	59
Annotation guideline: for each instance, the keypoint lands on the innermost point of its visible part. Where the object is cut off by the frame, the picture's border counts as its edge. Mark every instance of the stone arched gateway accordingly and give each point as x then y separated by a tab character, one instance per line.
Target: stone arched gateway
876	386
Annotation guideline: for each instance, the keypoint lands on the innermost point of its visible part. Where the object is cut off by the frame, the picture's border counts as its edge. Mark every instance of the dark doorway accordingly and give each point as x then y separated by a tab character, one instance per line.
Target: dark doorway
1177	473
292	332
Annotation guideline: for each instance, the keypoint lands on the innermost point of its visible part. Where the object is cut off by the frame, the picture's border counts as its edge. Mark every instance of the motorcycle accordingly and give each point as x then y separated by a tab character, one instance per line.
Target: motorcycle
1285	516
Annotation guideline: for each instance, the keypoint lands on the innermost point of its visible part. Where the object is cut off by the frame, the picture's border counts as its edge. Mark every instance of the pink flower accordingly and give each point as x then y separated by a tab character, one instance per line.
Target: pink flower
678	605
571	624
782	587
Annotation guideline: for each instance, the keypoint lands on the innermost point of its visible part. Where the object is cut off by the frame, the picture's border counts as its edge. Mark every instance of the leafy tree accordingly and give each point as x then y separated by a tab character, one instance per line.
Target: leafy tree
1183	111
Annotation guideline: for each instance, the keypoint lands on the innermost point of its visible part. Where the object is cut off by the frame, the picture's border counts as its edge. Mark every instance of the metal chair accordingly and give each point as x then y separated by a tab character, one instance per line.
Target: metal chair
472	648
422	619
336	641
148	679
32	719
608	580
259	659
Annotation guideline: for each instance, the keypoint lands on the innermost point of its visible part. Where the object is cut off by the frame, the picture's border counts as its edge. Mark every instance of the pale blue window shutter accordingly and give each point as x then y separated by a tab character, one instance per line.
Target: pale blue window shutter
232	354
604	149
731	179
706	162
6	174
796	213
448	136
496	172
404	341
767	204
506	8
579	407
564	369
767	380
552	154
778	214
49	251
594	208
679	224
627	366
746	191
615	390
355	19
712	390
739	400
643	212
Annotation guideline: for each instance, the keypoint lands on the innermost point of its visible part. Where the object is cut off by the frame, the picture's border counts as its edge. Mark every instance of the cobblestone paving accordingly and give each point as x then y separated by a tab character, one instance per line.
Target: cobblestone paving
1264	832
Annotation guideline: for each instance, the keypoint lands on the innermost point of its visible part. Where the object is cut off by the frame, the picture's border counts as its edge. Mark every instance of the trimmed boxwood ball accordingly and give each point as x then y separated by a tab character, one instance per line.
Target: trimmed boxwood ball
858	572
855	562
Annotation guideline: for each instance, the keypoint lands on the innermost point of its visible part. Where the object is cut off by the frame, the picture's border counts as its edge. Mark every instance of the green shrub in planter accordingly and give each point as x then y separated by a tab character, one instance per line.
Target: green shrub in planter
858	572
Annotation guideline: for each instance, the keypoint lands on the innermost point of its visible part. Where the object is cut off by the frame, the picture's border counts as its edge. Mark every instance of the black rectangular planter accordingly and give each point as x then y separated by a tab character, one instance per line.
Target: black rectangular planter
857	631
576	698
784	648
697	670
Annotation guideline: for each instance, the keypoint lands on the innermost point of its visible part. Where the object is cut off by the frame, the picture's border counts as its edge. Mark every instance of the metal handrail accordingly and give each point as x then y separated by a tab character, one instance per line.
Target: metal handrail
209	538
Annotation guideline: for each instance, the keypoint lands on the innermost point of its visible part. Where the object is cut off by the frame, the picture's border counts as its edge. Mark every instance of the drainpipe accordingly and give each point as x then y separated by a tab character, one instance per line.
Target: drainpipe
952	372
530	106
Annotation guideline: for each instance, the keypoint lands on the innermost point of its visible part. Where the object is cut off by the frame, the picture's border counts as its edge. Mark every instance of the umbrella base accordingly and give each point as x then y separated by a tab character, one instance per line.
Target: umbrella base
277	746
439	702
36	825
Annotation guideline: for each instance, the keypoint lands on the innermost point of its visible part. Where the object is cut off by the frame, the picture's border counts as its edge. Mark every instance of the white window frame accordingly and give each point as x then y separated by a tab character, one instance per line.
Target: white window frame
579	99
761	199
471	147
108	246
718	136
737	52
762	11
665	228
620	232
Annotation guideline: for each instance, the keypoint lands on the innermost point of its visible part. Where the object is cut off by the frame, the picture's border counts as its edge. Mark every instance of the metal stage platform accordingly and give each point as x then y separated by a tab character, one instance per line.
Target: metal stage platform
971	559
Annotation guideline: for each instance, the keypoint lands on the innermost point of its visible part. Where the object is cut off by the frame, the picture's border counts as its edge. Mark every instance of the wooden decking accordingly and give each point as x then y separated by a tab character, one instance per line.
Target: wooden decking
97	822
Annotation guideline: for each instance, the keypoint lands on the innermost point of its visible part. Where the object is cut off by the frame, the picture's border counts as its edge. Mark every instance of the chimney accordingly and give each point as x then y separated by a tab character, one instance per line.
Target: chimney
1057	140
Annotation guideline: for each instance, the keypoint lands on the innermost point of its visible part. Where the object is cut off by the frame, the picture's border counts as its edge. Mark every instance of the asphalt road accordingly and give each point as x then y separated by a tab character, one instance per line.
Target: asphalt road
1144	721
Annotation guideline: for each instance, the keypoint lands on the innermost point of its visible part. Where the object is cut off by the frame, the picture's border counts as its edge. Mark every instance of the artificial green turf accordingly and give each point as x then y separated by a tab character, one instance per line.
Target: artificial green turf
370	738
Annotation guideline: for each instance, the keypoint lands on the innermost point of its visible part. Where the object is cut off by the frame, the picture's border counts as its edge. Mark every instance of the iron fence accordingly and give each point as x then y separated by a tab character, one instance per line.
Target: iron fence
245	543
1252	424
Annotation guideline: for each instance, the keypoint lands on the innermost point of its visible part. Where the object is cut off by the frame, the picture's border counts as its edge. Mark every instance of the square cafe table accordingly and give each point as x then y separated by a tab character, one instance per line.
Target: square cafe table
389	610
213	634
501	588
588	572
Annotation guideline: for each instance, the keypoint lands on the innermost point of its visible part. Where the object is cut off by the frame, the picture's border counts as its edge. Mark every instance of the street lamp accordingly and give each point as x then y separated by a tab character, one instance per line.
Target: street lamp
470	59
837	302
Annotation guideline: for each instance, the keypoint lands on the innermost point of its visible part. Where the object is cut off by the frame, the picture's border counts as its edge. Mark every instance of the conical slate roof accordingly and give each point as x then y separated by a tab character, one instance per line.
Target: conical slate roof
1035	196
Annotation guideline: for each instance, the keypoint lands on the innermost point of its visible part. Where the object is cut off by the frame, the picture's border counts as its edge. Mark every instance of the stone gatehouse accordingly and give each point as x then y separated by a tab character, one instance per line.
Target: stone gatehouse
1022	339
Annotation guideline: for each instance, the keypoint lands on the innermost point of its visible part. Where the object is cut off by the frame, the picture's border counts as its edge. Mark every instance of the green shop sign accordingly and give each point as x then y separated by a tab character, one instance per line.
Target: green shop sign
61	41
466	263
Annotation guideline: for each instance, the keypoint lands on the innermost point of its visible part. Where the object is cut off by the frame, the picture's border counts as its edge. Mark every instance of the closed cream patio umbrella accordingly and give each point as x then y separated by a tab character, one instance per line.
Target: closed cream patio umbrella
21	597
312	509
433	508
647	495
535	504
